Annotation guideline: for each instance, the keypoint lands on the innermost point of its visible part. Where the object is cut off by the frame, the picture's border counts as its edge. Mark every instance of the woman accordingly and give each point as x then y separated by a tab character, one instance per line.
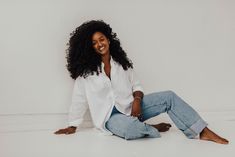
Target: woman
106	83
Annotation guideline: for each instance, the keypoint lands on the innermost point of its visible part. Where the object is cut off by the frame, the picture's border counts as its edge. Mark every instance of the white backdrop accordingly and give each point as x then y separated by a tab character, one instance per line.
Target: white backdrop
186	46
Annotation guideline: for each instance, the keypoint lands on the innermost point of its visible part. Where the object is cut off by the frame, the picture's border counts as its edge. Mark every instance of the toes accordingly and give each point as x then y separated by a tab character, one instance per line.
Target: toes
169	126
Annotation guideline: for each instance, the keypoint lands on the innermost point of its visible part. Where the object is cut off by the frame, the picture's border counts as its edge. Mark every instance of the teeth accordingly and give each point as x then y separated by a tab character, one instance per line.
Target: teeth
101	48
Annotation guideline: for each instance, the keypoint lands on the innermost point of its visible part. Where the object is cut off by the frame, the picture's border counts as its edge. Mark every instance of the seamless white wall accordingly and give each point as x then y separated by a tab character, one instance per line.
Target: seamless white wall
184	46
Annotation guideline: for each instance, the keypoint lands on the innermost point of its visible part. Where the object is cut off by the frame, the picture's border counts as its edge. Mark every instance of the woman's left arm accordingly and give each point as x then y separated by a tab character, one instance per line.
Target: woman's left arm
136	104
137	93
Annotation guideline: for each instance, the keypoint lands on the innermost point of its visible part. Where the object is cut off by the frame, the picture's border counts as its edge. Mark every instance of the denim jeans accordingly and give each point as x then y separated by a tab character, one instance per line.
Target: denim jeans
184	117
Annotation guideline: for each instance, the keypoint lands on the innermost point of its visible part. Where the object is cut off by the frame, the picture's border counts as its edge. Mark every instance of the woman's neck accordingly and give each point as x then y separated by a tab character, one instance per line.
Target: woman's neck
106	59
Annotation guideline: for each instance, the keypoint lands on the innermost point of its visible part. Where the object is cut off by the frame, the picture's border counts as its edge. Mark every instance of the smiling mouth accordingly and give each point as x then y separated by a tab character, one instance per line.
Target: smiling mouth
101	49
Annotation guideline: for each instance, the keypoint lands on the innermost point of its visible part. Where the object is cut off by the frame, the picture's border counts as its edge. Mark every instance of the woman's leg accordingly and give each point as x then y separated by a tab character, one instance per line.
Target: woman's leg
184	116
129	127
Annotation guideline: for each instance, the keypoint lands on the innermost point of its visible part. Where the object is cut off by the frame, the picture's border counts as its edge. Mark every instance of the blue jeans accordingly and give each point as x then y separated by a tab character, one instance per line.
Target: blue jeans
184	117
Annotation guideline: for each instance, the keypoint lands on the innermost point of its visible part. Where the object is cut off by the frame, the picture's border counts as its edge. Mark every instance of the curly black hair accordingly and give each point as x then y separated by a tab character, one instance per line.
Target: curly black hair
82	60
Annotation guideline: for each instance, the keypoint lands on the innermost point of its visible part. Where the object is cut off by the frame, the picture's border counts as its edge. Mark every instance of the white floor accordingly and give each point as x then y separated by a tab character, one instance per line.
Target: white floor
32	136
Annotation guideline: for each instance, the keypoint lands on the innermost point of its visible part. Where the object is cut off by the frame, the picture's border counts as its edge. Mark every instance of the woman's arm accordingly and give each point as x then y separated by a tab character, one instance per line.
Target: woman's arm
136	105
77	109
137	93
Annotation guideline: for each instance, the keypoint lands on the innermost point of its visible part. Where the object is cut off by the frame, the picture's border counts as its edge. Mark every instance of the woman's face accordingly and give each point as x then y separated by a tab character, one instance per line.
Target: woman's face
100	43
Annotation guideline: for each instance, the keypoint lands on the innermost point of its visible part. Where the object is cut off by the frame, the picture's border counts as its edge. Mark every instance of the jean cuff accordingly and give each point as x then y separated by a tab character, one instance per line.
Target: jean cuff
153	132
195	129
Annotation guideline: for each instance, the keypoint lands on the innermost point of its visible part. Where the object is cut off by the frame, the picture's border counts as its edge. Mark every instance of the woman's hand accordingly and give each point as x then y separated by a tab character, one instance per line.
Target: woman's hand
136	109
68	130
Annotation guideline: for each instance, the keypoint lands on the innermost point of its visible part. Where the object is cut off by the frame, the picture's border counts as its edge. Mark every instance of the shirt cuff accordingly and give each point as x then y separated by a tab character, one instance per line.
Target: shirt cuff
76	122
138	89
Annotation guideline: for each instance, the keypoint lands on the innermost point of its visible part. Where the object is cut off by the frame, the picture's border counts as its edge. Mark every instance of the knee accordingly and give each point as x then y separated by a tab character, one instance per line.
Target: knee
170	94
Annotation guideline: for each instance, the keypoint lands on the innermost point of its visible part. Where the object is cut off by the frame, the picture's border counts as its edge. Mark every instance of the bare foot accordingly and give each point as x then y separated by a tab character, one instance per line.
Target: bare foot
162	127
209	135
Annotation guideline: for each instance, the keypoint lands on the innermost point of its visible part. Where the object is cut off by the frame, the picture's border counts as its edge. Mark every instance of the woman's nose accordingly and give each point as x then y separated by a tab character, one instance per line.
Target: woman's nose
99	43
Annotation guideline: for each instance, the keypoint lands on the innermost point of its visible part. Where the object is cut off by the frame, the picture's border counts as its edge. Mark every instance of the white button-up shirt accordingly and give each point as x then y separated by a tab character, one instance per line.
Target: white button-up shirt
101	94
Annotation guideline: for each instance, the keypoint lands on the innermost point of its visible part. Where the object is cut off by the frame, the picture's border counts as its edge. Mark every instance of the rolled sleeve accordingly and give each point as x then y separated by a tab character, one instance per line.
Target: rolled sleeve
136	85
